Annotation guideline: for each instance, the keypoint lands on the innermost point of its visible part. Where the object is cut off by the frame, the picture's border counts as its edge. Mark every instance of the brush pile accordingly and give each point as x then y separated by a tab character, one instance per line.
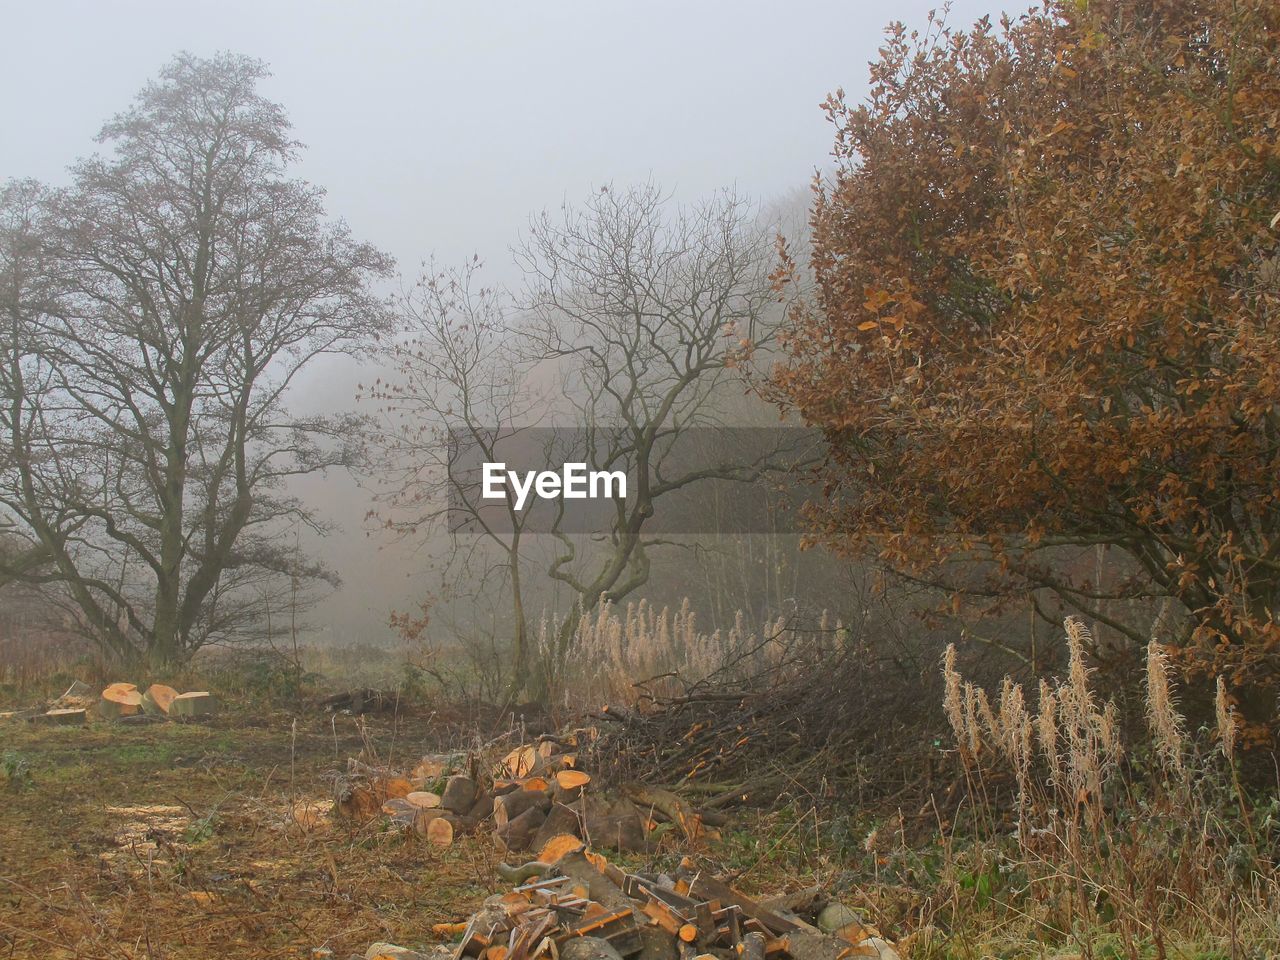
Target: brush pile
528	797
361	701
782	734
581	907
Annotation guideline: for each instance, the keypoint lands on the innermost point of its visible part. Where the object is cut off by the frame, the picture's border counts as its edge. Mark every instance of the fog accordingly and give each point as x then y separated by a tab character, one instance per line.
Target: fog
437	129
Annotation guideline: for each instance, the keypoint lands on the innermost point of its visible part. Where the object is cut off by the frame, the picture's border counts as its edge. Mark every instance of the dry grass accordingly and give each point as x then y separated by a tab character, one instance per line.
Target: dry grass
619	654
1151	849
180	841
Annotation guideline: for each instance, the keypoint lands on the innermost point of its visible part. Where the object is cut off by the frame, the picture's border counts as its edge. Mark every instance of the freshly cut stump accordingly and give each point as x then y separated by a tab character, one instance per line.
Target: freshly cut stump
197	703
65	717
120	700
158	699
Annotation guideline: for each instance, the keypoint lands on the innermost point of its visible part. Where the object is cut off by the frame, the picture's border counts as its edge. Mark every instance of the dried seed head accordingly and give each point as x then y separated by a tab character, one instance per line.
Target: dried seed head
1228	721
1162	714
953	701
1047	730
1078	638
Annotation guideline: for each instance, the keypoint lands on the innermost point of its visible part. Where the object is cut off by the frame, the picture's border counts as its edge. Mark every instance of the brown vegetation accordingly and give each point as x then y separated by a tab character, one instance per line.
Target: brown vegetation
1044	322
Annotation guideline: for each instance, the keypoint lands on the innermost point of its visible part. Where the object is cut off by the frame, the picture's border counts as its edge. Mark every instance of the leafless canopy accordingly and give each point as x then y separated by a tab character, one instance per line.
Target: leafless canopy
156	313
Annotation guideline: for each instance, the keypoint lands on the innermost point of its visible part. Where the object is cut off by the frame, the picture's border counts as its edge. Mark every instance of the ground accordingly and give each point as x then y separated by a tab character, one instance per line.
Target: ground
178	840
214	839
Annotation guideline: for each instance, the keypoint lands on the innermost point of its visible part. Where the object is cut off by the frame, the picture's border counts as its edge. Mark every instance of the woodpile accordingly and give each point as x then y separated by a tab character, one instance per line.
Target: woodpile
533	795
579	906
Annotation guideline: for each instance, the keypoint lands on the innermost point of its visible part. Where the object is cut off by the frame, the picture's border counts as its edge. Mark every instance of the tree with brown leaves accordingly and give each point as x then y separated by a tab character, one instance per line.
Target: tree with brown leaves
1048	271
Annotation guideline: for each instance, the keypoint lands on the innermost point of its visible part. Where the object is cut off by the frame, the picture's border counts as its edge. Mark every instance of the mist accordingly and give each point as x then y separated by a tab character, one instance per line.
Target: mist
438	130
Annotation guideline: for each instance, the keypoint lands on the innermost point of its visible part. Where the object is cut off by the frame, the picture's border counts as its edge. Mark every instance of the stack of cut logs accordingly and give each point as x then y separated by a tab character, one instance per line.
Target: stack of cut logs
535	794
581	907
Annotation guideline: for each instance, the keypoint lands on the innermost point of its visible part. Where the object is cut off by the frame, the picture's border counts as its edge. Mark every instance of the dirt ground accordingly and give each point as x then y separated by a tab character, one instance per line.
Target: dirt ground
213	839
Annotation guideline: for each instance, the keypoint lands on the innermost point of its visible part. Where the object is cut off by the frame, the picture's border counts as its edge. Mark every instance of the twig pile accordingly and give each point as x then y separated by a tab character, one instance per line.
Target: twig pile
796	732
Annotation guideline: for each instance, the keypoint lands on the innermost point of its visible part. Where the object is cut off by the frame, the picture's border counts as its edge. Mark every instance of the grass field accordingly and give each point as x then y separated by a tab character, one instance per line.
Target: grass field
177	841
214	839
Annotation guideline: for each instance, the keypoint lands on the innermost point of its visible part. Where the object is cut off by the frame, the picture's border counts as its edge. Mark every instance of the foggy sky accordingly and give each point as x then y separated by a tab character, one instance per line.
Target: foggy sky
439	127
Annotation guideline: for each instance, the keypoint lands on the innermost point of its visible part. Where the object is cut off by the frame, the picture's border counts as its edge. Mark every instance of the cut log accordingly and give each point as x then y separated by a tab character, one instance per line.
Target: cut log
197	703
558	846
521	762
516	876
447	931
517	833
424	799
655	943
428	770
482	809
393	787
704	887
120	700
876	947
440	832
844	922
461	825
66	716
625	833
752	947
803	945
589	948
459	794
511	805
569	784
357	802
561	820
402	813
579	868
670	806
158	699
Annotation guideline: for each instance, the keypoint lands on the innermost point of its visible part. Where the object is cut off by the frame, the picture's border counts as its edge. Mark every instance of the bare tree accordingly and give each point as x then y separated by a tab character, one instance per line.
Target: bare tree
457	389
161	309
647	308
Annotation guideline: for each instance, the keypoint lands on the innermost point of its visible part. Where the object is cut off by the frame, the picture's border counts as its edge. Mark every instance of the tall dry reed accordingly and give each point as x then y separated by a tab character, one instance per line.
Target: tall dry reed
1138	844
